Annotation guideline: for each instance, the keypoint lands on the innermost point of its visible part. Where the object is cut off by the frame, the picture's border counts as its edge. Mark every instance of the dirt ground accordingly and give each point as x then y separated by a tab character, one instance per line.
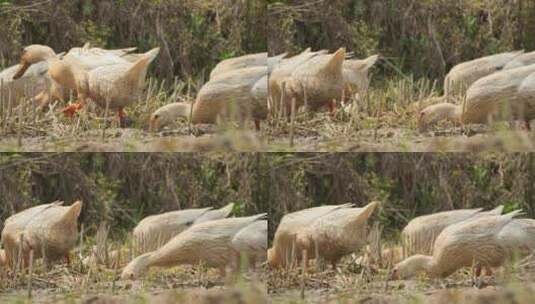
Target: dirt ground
327	135
355	284
66	285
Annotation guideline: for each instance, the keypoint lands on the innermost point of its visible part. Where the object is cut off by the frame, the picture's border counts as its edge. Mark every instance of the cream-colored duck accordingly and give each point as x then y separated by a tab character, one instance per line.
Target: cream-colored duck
282	72
57	85
493	97
154	231
115	86
320	81
229	96
92	74
477	240
237	63
209	243
336	234
34	81
355	74
420	233
463	75
50	230
285	249
247	87
82	59
251	242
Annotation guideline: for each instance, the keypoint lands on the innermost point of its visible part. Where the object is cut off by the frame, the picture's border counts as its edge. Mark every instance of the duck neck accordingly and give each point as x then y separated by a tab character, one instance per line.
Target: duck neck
183	110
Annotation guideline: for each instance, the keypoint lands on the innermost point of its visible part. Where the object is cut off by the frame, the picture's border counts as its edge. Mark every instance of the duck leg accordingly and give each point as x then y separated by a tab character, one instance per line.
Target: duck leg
332	107
257	125
305	260
333	264
124	121
476	275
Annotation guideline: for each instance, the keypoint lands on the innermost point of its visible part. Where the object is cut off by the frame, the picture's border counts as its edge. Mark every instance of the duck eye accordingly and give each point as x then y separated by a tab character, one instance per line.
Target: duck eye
156	116
132	276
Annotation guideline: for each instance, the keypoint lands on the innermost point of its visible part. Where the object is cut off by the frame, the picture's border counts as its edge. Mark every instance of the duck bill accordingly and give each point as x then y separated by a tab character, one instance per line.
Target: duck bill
22	69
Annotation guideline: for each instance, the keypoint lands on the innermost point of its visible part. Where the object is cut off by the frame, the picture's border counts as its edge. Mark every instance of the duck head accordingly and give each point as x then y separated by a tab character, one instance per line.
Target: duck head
137	267
438	112
411	267
168	114
33	54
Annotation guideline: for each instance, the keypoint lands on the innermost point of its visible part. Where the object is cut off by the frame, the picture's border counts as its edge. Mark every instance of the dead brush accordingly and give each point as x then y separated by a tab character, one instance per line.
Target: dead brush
25	118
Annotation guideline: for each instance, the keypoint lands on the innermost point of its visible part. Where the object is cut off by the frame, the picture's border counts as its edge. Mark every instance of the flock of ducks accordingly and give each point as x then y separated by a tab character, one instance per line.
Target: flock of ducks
190	236
496	87
256	86
437	245
242	88
112	79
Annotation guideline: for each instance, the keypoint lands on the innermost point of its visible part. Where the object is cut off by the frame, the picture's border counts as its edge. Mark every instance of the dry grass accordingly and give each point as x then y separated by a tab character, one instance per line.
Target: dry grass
91	281
357	282
383	120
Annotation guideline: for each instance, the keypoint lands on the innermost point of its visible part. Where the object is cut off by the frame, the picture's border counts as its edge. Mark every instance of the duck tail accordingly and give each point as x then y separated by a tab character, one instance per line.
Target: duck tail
258	217
515	213
335	63
363	65
139	69
498	210
306	51
73	213
215	214
227	210
126	51
370	61
367	210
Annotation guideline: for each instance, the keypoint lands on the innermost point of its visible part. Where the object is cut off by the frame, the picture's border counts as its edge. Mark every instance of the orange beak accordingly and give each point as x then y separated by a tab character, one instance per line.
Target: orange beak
23	67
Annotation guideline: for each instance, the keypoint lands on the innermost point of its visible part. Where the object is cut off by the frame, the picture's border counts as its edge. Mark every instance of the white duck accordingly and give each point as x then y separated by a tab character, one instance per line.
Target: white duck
209	243
154	231
285	249
420	233
251	242
481	240
50	230
492	97
336	234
